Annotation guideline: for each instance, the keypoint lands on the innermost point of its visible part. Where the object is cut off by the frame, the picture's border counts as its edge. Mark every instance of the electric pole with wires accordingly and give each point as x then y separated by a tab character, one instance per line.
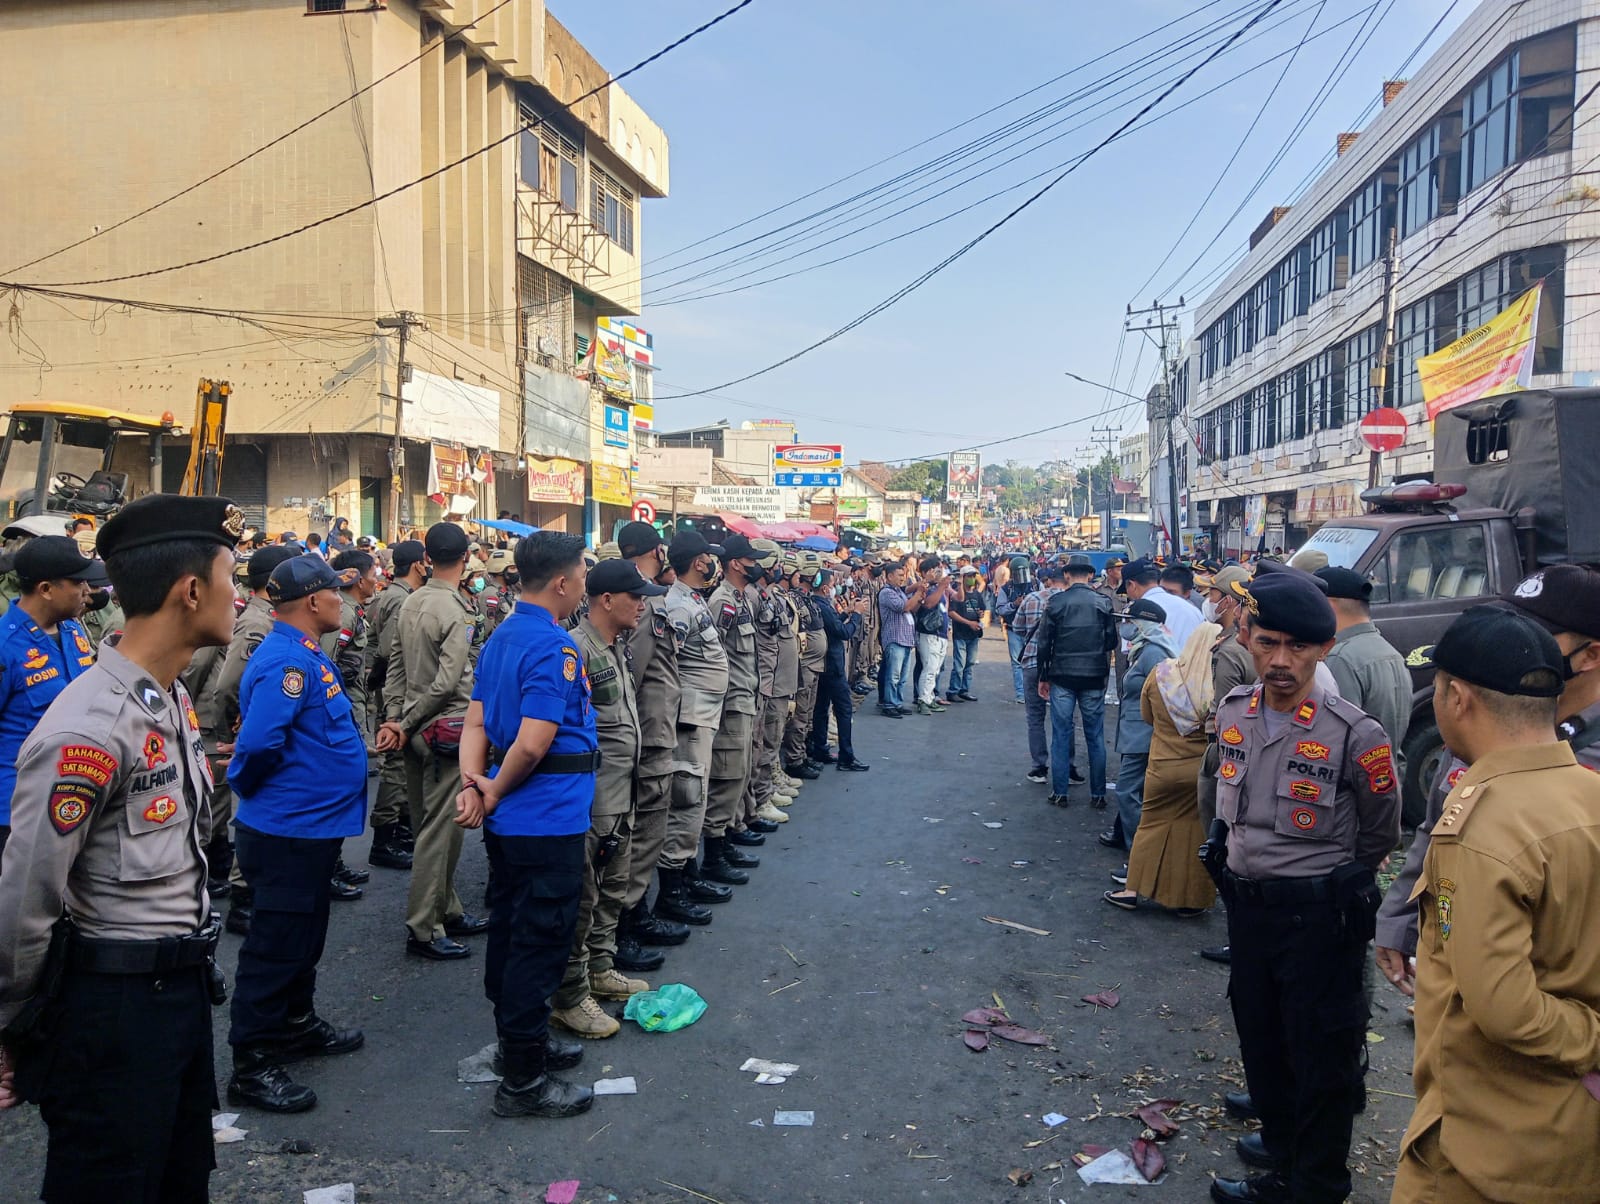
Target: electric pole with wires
402	322
1106	437
1159	324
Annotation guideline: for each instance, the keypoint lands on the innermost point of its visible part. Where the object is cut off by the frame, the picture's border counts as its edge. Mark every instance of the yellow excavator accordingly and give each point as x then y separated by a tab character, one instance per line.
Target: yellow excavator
72	459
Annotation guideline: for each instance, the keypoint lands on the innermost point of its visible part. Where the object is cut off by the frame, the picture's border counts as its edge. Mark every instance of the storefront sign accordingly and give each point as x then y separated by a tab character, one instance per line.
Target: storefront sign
760	503
854	507
962	476
556	481
613	486
817	465
1497	357
616	426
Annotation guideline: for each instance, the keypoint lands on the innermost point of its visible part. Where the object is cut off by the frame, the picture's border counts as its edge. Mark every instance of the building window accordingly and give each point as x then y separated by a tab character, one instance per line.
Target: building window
1369	216
1326	389
1360	358
611	208
1489	126
1264	309
549	160
1241	325
1430	169
1329	265
1547	69
1414	334
1481	294
1294	283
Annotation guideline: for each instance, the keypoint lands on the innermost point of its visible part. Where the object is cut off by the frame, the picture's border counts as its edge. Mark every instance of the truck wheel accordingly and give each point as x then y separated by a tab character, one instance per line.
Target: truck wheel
1423	749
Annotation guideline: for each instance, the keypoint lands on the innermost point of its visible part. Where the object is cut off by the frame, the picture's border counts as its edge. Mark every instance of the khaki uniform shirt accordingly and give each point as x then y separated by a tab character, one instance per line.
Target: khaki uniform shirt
769	617
1508	978
616	718
385	607
653	661
702	663
347	647
497	604
480	627
99	623
736	628
786	670
108	821
1319	794
1374	676
430	666
200	680
250	627
813	636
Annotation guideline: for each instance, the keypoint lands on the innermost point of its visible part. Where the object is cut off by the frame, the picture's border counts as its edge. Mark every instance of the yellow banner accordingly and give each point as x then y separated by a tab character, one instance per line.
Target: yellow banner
612	485
1497	357
556	481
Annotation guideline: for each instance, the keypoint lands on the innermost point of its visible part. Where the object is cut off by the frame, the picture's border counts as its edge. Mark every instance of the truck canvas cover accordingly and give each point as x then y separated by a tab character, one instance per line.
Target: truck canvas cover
1537	448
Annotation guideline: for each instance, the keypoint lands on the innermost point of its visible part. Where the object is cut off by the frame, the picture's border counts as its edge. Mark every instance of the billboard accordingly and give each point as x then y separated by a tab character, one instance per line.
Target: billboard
760	503
808	464
962	477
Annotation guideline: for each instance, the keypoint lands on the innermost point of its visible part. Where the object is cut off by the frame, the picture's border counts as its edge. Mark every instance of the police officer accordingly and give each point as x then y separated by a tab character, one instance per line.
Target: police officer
528	759
200	680
1308	807
299	768
1368	669
425	698
220	708
771	616
1507	1071
42	646
703	680
616	595
735	622
392	838
350	648
653	662
501	594
105	939
813	641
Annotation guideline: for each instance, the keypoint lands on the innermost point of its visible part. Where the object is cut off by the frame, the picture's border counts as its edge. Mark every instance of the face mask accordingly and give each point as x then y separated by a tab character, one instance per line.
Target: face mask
511	579
1566	661
755	574
1208	611
476	585
1128	632
99	599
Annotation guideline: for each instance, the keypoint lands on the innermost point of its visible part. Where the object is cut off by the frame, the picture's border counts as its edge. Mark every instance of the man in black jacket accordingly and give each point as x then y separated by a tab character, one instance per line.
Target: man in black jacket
1075	637
833	688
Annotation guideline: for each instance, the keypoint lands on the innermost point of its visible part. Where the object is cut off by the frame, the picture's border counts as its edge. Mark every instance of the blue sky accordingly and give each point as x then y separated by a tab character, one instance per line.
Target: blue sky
789	95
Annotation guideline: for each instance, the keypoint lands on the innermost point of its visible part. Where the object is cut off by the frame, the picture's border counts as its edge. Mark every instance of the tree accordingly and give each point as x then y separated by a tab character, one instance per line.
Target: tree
925	478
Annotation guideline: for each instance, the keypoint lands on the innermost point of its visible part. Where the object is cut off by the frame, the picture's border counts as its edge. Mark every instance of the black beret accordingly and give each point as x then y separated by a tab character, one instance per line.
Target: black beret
1498	649
263	561
1289	601
1345	583
165	517
446	542
1564	597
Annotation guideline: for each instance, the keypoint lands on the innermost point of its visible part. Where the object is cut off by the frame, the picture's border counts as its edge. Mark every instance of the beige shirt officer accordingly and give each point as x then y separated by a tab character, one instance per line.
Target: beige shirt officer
249	629
430	668
702	663
654	665
736	629
616	714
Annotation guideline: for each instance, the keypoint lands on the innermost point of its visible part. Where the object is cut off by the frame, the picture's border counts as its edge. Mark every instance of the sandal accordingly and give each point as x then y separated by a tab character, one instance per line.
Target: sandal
1128	902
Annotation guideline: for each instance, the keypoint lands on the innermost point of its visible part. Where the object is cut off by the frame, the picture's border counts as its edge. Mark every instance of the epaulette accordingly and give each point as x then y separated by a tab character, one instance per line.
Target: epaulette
1458	808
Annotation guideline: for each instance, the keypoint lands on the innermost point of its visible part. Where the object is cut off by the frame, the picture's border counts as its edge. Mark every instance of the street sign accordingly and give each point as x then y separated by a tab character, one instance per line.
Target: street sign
809	480
759	503
644	512
1383	430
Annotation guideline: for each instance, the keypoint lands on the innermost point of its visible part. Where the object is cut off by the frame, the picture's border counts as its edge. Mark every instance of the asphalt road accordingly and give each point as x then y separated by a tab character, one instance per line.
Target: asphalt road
853	952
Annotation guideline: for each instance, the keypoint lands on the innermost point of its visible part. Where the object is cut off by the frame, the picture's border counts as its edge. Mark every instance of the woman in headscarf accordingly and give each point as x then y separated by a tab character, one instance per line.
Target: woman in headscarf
1162	865
1148	645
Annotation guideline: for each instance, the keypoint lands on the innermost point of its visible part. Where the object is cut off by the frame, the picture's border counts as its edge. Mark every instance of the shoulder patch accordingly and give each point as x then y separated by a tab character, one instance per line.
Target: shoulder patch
294	682
1232	736
69	805
86	761
569	666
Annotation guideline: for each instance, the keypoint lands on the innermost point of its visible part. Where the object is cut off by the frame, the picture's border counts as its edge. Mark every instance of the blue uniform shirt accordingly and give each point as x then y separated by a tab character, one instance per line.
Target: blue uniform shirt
531	669
34	669
299	763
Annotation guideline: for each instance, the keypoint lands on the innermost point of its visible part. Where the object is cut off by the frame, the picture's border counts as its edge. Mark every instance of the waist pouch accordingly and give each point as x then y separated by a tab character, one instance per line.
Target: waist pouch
443	736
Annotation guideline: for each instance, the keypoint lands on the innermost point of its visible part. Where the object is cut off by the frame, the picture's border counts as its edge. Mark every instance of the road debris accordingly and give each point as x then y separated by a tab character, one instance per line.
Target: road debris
562	1191
222	1130
339	1193
1103	999
976	1039
1014	924
1019	1177
1113	1167
479	1067
623	1086
1154	1116
1053	1119
770	1072
801	1119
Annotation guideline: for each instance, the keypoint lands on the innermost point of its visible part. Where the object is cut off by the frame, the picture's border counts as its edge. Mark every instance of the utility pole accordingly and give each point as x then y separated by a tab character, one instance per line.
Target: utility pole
1107	437
402	322
1156	324
1380	370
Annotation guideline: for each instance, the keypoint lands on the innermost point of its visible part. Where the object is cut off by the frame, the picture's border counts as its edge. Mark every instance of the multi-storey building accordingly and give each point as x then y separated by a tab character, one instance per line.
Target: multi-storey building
493	203
1481	178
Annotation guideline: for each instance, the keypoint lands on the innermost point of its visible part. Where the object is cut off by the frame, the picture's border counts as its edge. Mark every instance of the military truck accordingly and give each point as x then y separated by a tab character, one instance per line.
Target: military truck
1516	486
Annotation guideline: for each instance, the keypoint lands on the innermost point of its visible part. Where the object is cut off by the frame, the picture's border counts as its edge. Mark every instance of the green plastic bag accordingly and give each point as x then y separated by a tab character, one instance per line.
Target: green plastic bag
666	1009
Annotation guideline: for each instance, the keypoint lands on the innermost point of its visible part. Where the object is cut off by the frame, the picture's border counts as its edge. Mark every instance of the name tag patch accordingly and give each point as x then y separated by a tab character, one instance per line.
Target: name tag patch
86	761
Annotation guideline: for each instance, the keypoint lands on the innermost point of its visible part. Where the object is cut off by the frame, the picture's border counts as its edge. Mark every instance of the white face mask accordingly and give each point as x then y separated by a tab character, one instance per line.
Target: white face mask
1208	611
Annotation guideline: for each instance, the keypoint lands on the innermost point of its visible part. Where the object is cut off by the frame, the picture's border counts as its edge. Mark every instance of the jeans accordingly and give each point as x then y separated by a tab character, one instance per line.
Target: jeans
1014	646
1092	704
1038	749
896	674
1130	794
932	648
963	655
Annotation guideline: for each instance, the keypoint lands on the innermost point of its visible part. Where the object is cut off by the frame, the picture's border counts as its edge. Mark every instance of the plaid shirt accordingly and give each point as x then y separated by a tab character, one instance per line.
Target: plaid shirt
897	627
1026	623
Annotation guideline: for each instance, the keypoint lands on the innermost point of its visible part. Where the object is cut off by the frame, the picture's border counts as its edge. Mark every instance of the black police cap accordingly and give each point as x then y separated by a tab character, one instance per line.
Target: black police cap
621	577
407	553
1345	583
1564	597
737	547
446	542
166	517
51	558
636	538
259	568
691	543
1289	601
1499	649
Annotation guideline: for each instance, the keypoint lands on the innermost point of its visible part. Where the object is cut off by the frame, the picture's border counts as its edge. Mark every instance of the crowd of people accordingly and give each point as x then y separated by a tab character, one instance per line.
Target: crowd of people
626	727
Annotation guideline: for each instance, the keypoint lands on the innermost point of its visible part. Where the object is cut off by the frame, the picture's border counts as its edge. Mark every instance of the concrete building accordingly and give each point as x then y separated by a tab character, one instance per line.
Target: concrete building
1133	466
1488	185
507	260
745	450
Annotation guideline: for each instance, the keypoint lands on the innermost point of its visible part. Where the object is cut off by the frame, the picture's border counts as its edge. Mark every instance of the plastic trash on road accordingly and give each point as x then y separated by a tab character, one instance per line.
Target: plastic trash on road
340	1193
666	1009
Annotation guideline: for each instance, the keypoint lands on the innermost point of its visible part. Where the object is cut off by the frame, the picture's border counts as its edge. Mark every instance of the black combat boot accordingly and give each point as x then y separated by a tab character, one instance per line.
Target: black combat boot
260	1081
701	888
716	867
650	929
631	955
529	1088
350	875
673	901
733	855
388	849
311	1036
745	838
561	1053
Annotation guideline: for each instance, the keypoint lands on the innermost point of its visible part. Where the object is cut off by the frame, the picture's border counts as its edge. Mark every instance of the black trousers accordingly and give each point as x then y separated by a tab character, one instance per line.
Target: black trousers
834	691
126	1090
277	976
536	885
1301	1011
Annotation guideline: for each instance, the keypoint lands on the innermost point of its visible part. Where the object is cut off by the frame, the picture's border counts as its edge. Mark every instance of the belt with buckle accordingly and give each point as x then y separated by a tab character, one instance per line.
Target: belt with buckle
160	956
1279	892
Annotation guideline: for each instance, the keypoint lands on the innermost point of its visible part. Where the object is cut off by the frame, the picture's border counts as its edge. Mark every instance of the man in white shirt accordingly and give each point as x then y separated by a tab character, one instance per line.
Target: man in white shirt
1142	579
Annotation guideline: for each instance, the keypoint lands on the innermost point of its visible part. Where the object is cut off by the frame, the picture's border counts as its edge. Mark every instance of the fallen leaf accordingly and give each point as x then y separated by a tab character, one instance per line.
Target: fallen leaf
1020	1177
1022	1036
1148	1158
986	1016
1089	1153
1103	999
977	1040
1154	1115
